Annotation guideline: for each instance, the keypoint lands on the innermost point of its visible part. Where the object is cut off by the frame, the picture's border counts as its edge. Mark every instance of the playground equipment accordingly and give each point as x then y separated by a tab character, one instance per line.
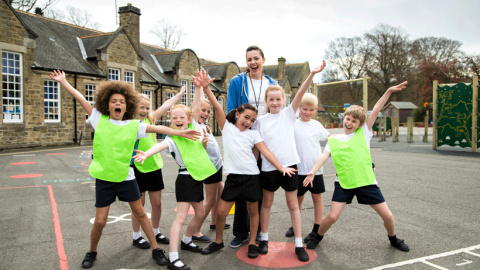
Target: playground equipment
455	114
365	88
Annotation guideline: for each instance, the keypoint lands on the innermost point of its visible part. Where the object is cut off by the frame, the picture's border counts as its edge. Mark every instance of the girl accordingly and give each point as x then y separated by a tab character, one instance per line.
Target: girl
240	164
194	167
149	175
277	130
115	135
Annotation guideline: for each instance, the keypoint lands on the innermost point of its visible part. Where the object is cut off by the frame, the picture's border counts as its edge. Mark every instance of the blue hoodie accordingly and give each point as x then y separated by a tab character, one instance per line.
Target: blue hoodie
238	90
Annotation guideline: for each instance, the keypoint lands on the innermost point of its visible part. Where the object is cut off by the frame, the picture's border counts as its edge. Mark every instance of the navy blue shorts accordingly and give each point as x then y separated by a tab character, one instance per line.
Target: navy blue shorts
106	192
368	195
318	185
271	181
150	181
239	186
188	189
214	178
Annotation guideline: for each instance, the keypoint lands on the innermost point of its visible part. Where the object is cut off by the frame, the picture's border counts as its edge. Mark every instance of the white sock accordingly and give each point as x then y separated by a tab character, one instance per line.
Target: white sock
264	236
172	256
298	242
156	231
137	235
187	240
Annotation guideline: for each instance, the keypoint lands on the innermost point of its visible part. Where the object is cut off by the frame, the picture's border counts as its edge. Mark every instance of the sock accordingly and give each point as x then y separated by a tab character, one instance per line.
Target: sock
298	242
156	231
264	236
172	256
187	240
137	235
393	239
315	228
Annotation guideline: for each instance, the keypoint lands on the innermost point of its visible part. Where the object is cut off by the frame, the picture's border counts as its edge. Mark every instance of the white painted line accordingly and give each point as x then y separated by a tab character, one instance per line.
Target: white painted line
24	155
431	257
464	263
434	265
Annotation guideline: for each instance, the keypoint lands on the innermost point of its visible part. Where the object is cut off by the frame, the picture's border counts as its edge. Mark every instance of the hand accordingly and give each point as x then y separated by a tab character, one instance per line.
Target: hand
191	134
58	76
205	138
308	179
399	87
203	77
196	80
319	68
289	171
140	156
184	88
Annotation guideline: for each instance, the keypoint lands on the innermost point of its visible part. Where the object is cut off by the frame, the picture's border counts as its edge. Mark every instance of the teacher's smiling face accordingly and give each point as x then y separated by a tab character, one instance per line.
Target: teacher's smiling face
255	63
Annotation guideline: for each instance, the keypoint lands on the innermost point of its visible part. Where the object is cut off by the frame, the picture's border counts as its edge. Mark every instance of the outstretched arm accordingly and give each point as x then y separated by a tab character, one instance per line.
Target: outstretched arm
271	157
298	97
58	76
196	98
142	156
220	115
381	102
168	104
318	164
187	133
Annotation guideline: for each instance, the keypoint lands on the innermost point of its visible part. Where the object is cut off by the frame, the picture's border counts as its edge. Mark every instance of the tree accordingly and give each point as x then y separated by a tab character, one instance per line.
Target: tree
433	49
472	62
55	14
28	5
81	18
170	34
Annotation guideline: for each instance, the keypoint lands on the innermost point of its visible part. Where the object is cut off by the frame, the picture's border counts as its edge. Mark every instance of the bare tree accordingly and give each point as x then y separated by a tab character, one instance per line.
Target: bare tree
433	49
81	17
27	5
55	14
171	34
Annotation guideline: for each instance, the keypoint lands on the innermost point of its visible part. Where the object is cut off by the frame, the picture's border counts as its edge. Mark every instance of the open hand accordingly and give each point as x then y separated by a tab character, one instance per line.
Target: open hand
319	68
196	80
191	134
140	156
57	75
289	171
399	87
309	179
205	138
203	77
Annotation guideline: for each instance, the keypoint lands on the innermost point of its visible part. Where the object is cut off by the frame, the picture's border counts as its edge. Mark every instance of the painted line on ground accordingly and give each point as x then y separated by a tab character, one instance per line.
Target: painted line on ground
23	163
23	155
26	175
45	150
55	154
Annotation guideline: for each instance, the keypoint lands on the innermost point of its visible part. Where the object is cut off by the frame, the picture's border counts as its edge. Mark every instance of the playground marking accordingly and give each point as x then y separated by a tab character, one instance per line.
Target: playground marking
55	154
44	150
26	175
464	263
467	250
23	163
24	155
116	219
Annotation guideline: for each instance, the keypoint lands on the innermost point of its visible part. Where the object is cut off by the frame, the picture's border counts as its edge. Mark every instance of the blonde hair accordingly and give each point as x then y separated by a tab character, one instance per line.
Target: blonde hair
150	115
357	112
309	99
183	107
272	88
206	101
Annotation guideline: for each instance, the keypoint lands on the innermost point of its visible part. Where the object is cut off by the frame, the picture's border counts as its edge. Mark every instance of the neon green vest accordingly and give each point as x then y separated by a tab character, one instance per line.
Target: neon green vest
352	161
196	159
112	150
154	162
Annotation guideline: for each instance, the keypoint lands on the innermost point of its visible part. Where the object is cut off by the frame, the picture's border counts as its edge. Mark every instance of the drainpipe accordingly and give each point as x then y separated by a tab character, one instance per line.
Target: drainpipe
75	139
215	124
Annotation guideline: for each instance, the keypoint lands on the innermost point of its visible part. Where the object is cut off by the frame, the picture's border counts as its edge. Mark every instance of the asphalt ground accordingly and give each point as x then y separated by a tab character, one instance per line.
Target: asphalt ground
45	220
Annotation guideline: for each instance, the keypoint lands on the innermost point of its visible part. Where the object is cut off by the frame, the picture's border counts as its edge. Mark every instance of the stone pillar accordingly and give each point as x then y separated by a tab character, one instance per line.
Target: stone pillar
281	68
130	19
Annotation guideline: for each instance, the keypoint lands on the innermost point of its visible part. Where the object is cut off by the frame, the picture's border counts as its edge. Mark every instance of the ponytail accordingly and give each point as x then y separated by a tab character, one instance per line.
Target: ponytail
245	106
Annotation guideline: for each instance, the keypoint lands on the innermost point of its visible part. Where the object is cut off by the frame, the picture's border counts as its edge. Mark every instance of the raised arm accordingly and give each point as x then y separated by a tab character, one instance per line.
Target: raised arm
220	115
187	133
381	102
168	104
58	76
298	97
271	157
197	97
142	156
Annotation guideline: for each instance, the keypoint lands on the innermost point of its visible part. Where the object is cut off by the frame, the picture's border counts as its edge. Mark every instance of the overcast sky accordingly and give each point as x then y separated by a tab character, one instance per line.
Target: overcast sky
298	30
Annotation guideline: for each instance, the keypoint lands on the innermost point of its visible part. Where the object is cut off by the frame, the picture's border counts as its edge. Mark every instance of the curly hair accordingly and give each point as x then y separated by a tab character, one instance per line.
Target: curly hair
106	89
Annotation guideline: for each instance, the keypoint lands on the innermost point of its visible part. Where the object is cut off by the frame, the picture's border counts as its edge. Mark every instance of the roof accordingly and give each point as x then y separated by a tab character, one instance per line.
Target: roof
401	105
20	19
150	67
292	72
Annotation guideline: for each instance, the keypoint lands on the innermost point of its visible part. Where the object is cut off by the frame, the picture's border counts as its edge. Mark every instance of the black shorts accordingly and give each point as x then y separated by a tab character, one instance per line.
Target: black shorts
318	185
106	192
368	195
214	178
150	181
238	186
188	189
271	181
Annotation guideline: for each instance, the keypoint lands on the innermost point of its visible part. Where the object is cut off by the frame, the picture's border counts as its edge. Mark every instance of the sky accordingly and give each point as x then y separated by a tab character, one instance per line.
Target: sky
298	30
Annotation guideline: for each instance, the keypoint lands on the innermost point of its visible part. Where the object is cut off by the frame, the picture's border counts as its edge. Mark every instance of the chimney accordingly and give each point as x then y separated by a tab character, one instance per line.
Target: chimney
281	68
130	19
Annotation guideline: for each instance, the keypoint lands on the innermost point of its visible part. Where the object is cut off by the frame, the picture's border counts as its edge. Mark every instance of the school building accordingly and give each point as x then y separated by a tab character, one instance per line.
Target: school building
38	112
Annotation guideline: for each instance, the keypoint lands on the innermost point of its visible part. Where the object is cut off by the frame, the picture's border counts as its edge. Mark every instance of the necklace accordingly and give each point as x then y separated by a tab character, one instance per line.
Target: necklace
257	102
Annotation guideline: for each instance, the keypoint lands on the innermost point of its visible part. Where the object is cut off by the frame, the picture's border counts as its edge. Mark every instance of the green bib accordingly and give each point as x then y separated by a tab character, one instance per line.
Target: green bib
154	162
196	159
352	161
112	150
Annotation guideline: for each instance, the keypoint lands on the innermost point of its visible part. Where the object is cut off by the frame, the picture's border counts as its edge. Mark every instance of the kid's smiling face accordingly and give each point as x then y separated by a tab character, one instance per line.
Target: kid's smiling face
245	119
179	119
255	62
117	106
350	124
205	111
307	112
143	109
274	101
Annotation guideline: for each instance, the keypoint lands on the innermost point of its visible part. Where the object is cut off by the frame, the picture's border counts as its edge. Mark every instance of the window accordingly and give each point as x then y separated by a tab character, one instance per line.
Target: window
113	74
220	101
51	101
12	88
170	95
149	94
129	77
90	94
192	92
183	100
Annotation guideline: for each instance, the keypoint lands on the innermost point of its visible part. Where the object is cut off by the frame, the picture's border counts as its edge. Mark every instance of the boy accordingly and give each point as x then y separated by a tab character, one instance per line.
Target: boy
351	157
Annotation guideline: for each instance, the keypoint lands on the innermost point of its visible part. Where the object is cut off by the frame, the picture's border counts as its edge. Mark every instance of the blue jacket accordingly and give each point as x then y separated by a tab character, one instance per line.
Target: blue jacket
238	90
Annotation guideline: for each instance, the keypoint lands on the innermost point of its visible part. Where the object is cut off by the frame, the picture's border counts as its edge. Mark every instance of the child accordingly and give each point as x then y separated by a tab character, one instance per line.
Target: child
115	135
308	134
194	167
149	175
355	177
240	164
277	130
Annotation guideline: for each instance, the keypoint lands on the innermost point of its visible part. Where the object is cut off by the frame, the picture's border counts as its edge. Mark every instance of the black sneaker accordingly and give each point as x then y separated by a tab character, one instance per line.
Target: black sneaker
310	236
184	246
252	251
163	240
159	256
290	232
212	248
400	244
90	257
263	247
171	265
302	254
141	244
312	243
214	227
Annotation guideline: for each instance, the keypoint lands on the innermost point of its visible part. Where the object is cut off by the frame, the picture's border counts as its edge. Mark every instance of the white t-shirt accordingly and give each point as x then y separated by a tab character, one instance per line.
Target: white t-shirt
142	128
307	138
259	95
345	138
172	147
237	149
213	150
277	131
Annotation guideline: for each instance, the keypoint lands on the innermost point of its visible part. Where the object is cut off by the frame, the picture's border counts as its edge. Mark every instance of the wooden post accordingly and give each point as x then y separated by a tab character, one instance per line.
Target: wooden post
365	93
475	114
380	128
395	121
410	129
384	132
435	113
425	136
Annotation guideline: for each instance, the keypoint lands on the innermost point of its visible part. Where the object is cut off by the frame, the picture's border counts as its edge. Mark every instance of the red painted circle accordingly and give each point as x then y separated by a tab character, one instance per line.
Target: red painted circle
85	163
191	212
280	255
23	163
26	175
55	154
